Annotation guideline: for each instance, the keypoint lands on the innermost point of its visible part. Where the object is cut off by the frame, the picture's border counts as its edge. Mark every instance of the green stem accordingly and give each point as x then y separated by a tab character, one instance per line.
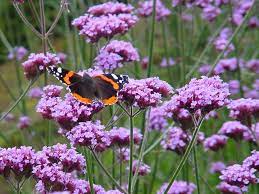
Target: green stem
154	172
196	169
185	156
131	150
88	158
5	41
151	40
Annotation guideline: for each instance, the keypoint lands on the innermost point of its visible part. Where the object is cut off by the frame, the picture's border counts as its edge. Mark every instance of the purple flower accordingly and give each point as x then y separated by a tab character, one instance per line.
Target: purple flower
78	186
37	63
215	142
89	134
164	63
217	167
222	40
24	122
67	158
114	54
211	114
146	7
18	53
157	119
233	129
243	109
253	65
175	140
178	187
223	65
234	86
253	22
62	57
121	136
144	62
210	12
226	188
35	93
113	192
9	117
20	161
110	8
252	135
254	94
187	17
106	26
123	154
143	168
252	161
256	84
205	94
221	2
145	92
205	69
238	175
240	10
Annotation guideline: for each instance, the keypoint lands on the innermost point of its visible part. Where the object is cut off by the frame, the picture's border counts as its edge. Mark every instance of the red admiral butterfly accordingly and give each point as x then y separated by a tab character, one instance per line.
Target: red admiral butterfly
86	88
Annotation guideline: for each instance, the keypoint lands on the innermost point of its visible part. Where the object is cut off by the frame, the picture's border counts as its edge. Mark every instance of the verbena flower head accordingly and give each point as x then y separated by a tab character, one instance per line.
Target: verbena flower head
105	26
18	53
37	63
205	69
175	140
243	109
217	167
252	161
178	187
144	169
146	7
234	86
233	129
113	55
9	117
67	158
253	65
238	175
223	65
78	186
121	136
144	62
35	93
113	192
205	94
24	122
226	188
221	42
252	135
110	8
18	161
123	154
89	134
210	13
167	62
145	92
157	119
62	57
215	142
253	22
240	10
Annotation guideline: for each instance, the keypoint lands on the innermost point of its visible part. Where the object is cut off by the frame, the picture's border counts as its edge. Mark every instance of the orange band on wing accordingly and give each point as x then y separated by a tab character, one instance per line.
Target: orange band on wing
114	84
68	76
110	101
82	99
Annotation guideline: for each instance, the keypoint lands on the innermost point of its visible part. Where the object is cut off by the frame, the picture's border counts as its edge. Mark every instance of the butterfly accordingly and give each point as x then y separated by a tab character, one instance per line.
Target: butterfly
87	89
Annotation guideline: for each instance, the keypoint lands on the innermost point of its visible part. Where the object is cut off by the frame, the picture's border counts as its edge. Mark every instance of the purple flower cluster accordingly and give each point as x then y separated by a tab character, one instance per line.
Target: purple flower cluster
19	161
24	122
233	129
210	12
62	57
215	142
253	22
205	69
178	187
222	40
240	10
113	55
226	188
167	62
37	63
89	134
67	111
252	161
243	109
145	92
123	154
175	140
143	170
17	53
253	65
35	93
223	65
205	94
146	7
121	136
217	167
157	119
105	20
234	86
252	135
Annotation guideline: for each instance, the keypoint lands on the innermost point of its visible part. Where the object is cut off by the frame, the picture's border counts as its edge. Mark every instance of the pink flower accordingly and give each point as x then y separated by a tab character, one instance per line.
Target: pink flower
252	161
215	142
223	65
233	129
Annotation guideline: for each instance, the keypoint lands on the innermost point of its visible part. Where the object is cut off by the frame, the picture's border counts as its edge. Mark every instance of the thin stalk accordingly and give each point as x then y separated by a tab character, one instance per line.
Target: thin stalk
107	173
19	99
182	39
120	169
185	156
154	173
5	41
151	40
230	40
89	169
34	10
43	27
196	169
131	150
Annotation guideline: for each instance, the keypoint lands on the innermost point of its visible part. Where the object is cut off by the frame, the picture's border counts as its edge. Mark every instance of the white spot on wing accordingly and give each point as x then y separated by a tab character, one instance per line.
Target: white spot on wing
114	76
59	70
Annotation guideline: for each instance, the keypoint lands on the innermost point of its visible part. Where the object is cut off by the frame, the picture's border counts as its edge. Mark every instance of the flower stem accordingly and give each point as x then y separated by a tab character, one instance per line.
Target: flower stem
151	40
89	169
185	156
131	149
196	169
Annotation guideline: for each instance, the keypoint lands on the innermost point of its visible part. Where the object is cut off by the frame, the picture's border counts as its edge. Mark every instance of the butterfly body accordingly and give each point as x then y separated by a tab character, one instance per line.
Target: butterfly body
87	89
